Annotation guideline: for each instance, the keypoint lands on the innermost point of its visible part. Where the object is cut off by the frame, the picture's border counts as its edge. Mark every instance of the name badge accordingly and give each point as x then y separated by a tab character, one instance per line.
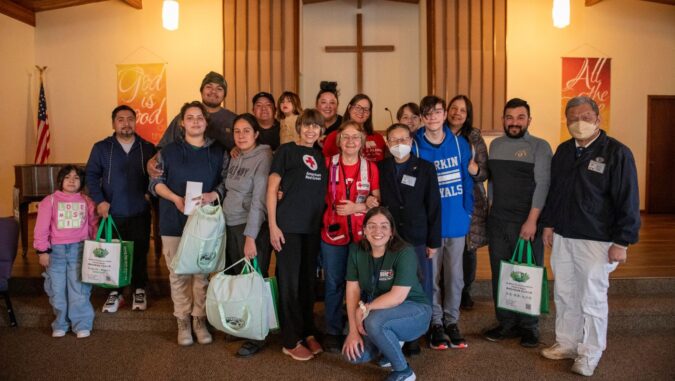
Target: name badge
596	166
408	180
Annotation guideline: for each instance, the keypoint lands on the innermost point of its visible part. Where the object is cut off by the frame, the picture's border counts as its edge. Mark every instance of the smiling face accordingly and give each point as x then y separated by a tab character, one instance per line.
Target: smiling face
378	231
263	110
327	104
516	122
360	111
213	95
194	122
351	140
309	134
124	124
434	118
457	113
410	119
244	136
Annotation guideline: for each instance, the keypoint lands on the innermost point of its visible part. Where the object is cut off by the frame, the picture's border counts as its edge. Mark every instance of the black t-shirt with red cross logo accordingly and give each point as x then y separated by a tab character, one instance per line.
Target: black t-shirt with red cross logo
304	180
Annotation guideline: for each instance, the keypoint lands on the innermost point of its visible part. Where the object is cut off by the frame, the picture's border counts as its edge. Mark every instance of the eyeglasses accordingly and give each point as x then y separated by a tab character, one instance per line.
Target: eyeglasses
434	112
372	227
409	118
361	109
350	137
398	141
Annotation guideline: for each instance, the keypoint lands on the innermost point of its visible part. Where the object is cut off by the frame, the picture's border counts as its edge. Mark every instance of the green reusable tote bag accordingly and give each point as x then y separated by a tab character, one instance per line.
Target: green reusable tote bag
107	262
271	298
522	286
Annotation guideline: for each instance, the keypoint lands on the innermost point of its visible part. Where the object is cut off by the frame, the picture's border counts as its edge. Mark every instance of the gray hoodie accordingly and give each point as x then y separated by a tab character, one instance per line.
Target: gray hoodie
246	186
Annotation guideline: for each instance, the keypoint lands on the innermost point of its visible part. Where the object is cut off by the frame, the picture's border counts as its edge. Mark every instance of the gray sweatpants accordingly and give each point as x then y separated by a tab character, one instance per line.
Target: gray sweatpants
448	259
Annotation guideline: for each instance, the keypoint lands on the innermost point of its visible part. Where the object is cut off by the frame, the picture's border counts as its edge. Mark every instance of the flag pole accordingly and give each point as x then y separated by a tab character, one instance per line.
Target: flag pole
42	149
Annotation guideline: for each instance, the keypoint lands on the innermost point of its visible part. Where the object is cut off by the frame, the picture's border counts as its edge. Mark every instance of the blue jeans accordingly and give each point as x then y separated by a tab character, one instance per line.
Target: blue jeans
426	271
387	328
68	296
335	270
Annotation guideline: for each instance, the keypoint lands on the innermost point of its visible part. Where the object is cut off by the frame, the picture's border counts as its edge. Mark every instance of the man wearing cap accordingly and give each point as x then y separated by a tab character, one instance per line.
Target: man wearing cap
592	214
264	110
213	91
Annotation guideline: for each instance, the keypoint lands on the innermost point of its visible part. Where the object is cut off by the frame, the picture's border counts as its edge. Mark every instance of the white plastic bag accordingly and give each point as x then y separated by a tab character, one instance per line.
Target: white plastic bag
202	246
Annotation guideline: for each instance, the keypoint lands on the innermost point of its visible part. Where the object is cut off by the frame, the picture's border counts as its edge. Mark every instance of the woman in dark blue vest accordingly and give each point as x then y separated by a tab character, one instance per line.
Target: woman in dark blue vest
194	159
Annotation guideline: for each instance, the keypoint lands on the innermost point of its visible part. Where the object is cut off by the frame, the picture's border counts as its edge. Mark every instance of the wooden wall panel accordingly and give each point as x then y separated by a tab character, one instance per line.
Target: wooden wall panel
261	49
467	55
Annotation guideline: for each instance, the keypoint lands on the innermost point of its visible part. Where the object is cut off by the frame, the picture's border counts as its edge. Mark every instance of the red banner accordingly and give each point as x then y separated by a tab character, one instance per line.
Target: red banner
590	77
143	88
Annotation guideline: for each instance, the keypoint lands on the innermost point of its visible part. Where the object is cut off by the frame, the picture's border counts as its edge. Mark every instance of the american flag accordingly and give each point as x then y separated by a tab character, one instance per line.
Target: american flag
42	149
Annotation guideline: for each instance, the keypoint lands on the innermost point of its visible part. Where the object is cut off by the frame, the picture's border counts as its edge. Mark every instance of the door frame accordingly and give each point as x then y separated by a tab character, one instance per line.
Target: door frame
649	141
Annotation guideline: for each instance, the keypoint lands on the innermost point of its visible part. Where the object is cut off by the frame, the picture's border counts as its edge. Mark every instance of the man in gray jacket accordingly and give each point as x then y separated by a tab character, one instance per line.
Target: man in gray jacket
520	172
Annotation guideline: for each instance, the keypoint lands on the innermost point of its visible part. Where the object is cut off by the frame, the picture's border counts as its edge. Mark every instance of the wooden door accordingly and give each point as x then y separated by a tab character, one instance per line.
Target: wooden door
660	196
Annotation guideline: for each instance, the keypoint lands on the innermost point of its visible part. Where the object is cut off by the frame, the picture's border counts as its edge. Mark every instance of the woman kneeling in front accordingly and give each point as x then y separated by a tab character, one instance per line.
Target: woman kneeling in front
385	302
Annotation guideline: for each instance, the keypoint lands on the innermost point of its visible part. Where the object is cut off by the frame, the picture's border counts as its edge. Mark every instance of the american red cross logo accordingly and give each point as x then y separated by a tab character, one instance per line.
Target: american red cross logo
309	162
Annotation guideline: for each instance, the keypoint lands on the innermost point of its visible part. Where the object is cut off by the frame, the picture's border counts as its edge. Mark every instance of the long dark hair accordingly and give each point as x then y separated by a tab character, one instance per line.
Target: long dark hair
467	126
396	243
368	124
65	170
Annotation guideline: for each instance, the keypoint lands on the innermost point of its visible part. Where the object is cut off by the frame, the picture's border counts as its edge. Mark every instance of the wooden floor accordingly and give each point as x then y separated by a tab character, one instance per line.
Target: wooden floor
652	257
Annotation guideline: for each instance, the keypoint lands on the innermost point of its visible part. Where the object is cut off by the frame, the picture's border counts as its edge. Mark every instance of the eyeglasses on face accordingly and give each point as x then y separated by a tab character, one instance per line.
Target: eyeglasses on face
361	109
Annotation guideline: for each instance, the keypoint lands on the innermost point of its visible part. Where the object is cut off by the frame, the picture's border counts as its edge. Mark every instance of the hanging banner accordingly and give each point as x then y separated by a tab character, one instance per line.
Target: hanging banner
143	88
590	77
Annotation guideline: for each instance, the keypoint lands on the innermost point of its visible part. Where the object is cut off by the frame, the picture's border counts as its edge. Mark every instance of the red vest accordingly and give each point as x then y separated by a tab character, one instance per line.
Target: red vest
336	229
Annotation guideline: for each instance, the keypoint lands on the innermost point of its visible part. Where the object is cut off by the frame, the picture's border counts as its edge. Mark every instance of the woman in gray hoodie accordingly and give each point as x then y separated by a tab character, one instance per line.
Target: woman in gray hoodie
244	205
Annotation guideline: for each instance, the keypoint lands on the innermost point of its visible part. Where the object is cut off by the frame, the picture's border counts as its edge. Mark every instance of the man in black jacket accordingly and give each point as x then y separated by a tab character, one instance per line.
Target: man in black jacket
591	216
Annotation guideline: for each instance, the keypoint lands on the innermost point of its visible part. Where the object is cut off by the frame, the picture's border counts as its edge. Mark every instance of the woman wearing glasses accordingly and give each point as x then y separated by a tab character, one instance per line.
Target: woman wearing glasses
360	110
385	302
409	114
351	180
409	188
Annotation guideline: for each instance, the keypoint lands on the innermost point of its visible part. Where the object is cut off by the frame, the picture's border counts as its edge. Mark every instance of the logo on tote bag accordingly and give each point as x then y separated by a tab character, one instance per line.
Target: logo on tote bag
100	252
519	276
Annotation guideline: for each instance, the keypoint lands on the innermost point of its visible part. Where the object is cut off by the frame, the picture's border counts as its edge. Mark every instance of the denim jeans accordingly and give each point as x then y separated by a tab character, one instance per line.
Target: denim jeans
387	328
335	270
68	296
426	271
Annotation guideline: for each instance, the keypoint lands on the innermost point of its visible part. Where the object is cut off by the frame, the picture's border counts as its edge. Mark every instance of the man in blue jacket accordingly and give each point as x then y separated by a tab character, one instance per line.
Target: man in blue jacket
118	184
450	155
592	214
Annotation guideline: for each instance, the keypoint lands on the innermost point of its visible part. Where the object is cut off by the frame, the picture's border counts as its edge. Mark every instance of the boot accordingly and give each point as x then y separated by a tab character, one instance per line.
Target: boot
184	332
201	331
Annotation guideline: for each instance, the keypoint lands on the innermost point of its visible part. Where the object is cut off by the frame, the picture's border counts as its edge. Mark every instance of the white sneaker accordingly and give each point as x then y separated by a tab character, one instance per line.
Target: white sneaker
585	365
558	352
83	334
140	301
58	333
114	301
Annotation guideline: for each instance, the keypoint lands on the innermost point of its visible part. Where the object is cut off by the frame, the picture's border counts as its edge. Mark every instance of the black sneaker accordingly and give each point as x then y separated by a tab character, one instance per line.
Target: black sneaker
499	333
529	338
250	348
467	302
412	348
456	339
332	343
438	340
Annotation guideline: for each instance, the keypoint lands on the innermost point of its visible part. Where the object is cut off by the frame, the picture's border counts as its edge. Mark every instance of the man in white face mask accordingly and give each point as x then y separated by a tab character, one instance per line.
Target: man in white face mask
409	188
591	216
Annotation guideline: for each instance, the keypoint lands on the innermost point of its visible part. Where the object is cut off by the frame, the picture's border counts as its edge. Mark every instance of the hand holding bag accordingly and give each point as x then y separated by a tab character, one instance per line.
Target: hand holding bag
107	263
522	287
236	304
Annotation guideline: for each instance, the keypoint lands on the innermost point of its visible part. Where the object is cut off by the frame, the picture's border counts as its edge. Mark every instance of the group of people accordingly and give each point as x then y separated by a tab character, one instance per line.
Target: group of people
393	221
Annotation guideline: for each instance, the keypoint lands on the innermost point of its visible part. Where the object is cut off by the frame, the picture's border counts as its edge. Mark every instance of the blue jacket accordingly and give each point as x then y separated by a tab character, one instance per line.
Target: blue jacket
451	159
119	178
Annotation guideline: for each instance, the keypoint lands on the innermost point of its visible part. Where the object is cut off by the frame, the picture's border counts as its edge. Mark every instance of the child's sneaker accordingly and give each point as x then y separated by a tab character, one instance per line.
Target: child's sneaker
437	338
140	301
114	301
58	333
83	334
456	339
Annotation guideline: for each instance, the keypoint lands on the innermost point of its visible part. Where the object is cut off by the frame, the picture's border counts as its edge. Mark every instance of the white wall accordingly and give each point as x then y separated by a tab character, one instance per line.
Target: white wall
17	125
390	79
639	36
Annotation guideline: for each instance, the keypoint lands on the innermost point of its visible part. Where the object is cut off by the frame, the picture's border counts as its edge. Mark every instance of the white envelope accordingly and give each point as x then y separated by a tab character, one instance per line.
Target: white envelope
192	189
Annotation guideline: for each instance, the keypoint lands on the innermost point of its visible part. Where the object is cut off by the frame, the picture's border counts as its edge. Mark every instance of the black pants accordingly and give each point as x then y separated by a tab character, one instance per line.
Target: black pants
136	229
235	248
502	238
296	270
469	264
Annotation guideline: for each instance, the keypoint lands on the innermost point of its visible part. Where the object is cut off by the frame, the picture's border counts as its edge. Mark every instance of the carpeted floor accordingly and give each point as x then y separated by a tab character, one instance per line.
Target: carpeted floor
31	354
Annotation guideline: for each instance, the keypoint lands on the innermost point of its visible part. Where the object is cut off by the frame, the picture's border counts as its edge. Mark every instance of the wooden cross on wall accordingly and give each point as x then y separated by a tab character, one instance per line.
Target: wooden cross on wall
359	49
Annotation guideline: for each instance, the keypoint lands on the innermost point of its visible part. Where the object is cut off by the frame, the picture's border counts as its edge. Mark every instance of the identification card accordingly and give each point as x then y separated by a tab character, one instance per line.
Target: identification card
408	180
596	166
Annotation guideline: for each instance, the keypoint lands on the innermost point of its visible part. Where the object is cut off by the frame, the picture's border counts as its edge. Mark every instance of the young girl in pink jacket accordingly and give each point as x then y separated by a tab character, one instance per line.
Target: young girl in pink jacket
65	219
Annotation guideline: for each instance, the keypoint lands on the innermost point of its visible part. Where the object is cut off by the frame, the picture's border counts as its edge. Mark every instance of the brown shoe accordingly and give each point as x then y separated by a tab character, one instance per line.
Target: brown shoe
313	345
300	353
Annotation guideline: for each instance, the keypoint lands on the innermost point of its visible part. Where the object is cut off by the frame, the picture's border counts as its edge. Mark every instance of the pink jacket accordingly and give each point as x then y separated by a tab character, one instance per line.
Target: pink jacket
64	218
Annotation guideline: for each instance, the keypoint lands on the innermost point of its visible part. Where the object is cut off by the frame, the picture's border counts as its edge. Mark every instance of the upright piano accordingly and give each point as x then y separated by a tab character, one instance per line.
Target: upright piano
32	182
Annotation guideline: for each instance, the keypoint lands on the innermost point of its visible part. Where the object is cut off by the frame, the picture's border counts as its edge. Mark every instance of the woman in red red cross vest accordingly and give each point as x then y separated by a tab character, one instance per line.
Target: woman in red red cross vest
351	180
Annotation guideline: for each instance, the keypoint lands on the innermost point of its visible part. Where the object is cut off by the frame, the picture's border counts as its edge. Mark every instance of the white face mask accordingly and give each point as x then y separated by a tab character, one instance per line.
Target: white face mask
400	150
582	130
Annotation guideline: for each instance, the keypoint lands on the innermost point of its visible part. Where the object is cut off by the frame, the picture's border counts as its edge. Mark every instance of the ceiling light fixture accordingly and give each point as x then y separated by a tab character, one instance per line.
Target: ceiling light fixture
561	13
170	14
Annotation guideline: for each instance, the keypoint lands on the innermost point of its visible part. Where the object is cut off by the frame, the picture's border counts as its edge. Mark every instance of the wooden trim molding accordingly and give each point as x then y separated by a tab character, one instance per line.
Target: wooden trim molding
17	12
